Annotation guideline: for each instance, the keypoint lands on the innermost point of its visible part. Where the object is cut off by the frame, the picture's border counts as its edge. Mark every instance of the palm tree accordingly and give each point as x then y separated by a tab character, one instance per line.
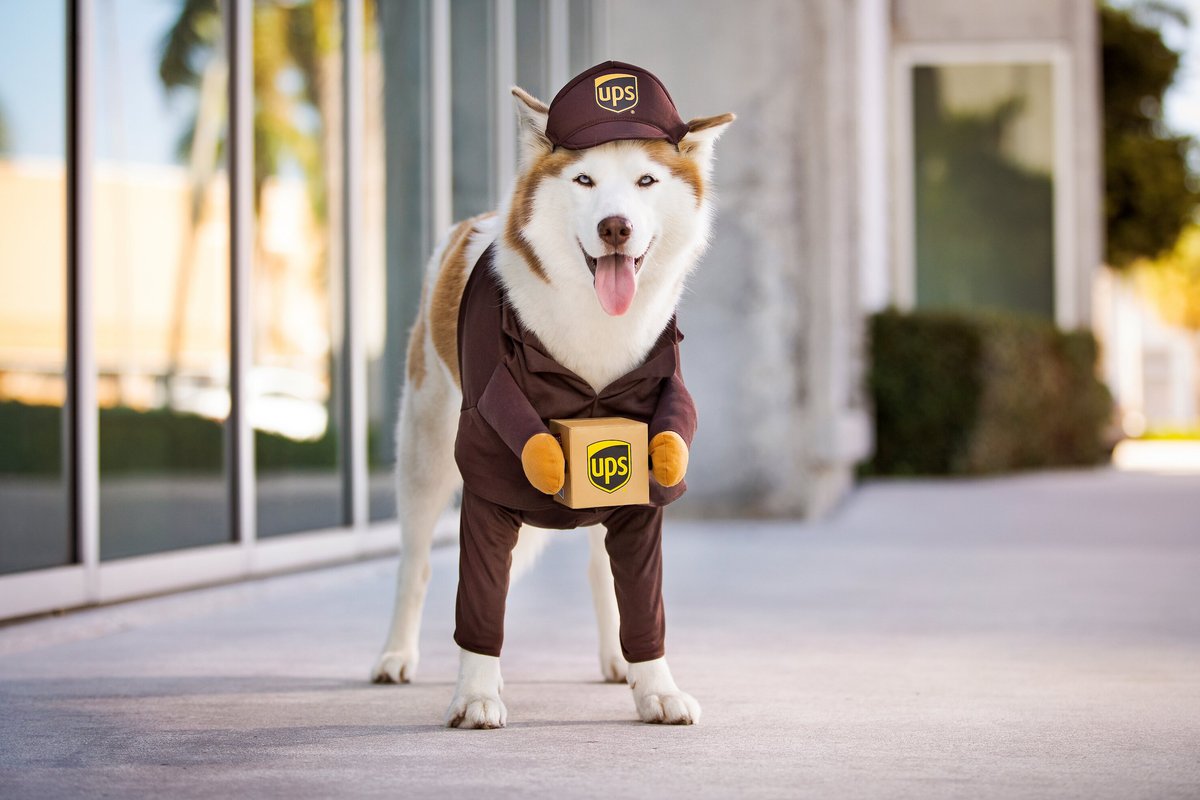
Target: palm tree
195	38
294	44
288	37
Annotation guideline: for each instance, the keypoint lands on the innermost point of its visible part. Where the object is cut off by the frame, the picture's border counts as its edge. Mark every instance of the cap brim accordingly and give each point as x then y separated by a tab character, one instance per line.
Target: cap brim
612	131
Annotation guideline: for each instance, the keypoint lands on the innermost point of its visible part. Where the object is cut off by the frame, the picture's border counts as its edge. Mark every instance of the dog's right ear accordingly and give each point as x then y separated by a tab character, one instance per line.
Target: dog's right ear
531	119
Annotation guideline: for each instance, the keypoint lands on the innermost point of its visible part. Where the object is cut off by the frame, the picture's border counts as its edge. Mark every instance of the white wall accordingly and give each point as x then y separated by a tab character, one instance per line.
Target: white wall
1152	368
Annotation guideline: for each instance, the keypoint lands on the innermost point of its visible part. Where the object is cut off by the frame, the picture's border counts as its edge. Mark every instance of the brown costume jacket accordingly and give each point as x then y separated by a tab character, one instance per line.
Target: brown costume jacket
512	387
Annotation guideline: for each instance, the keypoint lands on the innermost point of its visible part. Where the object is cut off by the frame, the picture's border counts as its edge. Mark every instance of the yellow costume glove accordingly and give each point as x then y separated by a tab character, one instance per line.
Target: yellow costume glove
668	458
542	460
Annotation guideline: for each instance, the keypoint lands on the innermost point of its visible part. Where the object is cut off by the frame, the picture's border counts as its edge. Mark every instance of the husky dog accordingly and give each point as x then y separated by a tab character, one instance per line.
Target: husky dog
546	241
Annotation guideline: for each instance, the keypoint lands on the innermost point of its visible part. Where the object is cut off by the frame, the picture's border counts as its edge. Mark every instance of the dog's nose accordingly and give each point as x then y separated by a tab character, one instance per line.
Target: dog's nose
615	231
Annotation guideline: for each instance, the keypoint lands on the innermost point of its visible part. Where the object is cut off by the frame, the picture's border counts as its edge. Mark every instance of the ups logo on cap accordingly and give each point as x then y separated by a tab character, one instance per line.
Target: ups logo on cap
616	92
608	464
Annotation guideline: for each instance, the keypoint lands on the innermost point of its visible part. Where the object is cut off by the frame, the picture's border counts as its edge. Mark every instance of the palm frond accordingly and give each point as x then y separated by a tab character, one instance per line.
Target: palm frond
192	37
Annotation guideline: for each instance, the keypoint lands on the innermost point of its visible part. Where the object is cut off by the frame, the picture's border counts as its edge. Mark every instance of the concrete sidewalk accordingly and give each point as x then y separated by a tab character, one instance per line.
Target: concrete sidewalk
1036	636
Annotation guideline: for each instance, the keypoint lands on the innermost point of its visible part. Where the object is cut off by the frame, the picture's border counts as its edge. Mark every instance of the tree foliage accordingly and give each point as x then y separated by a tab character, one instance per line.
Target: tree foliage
290	41
1173	281
1150	195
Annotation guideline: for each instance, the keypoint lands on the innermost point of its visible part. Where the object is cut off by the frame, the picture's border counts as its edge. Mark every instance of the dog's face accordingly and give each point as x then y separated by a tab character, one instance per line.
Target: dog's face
616	217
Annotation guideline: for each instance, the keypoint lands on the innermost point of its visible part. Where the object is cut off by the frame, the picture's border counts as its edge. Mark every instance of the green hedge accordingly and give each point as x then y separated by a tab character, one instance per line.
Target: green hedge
30	439
960	394
146	441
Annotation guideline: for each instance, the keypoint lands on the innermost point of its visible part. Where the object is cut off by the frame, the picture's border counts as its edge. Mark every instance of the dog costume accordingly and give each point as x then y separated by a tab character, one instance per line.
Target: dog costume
511	387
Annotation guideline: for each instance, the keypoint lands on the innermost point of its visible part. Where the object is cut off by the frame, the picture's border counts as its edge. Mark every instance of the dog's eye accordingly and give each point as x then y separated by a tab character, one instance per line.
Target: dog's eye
584	180
647	180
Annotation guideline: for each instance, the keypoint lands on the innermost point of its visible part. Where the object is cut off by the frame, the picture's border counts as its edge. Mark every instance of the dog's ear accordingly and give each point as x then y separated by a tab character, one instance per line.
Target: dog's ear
702	134
531	121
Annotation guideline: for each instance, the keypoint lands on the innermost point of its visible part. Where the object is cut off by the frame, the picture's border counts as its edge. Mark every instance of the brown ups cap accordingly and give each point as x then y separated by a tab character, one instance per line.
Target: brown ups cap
613	101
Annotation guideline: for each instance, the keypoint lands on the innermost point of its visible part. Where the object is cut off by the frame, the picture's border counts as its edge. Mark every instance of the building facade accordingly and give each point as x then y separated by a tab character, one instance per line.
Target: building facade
910	153
215	217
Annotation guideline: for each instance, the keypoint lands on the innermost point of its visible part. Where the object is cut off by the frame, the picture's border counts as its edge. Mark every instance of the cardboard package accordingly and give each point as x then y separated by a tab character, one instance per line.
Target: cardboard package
606	460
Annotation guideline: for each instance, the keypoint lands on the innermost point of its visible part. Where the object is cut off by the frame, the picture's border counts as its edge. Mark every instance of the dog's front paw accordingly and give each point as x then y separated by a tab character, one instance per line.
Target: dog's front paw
395	666
668	708
476	711
476	702
656	696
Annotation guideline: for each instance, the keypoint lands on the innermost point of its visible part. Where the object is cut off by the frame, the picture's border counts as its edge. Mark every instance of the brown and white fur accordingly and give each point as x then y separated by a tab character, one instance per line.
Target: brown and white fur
539	233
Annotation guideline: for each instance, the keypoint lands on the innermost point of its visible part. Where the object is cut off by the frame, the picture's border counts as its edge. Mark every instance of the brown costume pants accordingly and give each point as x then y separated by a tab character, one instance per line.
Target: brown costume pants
487	535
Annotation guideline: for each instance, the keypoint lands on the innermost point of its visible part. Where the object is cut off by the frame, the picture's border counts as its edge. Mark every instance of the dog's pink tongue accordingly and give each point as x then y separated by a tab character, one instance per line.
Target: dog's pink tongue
615	283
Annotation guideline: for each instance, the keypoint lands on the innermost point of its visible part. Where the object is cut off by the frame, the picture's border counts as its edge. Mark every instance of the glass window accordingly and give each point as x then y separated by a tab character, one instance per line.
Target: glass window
472	104
984	181
297	270
161	261
34	522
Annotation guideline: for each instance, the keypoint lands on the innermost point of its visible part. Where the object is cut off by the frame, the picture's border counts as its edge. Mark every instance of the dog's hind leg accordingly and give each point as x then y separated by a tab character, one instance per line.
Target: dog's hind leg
608	618
425	478
530	544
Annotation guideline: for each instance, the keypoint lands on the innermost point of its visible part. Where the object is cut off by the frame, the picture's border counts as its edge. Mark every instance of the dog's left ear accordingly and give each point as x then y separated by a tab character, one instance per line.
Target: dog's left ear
702	134
531	120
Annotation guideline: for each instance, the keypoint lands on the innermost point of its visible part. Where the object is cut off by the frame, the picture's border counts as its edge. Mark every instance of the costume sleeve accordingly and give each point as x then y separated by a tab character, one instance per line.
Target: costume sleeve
676	411
506	408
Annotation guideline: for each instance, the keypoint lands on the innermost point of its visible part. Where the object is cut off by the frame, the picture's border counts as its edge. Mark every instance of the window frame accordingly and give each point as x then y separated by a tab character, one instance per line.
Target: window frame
905	59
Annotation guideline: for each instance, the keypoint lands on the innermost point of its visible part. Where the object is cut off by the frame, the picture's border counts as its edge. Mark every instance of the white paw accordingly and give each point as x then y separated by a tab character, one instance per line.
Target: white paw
395	666
613	665
670	708
476	711
476	702
656	696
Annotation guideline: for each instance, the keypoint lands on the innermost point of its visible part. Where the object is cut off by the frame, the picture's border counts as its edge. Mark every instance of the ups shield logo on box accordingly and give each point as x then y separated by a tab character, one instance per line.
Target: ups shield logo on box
608	464
615	92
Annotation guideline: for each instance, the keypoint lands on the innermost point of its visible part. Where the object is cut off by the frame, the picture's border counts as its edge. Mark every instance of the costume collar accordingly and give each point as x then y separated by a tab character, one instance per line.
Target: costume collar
660	362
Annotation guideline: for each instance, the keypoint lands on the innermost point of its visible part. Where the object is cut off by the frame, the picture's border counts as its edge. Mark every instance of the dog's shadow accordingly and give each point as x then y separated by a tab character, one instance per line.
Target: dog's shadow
524	723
